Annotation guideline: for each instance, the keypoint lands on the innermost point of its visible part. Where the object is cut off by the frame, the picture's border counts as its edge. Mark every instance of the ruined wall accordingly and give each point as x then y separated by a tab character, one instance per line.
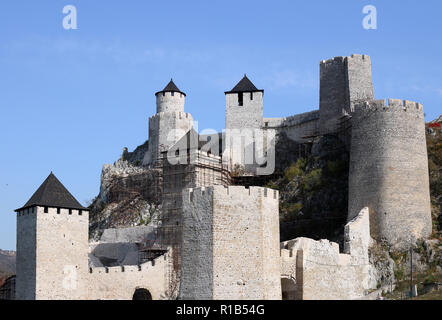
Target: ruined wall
321	272
389	170
230	244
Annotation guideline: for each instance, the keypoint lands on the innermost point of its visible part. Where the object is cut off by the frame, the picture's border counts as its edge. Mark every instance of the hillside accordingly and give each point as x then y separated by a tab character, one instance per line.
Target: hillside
7	263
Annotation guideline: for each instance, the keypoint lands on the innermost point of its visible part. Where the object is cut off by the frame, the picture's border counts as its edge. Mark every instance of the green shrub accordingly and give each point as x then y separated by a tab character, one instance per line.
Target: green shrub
295	170
313	180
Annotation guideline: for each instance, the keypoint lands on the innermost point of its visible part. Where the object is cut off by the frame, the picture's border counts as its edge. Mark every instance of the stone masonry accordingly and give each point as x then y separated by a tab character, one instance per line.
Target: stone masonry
225	260
389	170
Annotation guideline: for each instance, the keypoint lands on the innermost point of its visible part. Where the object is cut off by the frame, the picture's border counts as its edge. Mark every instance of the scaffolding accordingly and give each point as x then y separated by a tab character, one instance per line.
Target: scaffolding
201	169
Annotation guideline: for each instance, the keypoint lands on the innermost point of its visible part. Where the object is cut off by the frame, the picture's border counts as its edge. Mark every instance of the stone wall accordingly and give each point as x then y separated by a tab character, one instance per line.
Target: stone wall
343	80
52	249
389	170
62	247
320	272
165	129
120	283
26	254
170	102
243	127
230	244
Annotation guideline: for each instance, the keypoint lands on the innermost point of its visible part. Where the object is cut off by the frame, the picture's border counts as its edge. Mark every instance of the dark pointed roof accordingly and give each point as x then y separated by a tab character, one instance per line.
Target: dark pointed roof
193	141
171	87
52	193
245	85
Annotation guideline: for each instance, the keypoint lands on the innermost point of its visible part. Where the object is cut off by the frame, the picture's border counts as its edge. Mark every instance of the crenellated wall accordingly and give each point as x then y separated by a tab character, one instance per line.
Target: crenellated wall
170	101
389	170
120	283
52	251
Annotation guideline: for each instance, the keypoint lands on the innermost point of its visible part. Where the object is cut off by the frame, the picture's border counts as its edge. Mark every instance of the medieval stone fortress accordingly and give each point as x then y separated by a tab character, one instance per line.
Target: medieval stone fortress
215	233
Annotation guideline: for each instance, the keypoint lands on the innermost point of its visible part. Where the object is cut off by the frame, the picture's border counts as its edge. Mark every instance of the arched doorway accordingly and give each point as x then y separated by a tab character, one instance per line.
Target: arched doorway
142	294
288	286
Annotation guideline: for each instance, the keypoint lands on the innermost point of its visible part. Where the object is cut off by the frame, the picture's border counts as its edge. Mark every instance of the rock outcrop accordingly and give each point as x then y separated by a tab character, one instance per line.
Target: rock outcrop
130	194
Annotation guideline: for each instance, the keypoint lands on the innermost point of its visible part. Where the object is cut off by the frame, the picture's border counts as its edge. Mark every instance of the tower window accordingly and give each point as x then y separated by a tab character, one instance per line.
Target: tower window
251	95
240	99
70	211
80	212
58	210
46	209
173	93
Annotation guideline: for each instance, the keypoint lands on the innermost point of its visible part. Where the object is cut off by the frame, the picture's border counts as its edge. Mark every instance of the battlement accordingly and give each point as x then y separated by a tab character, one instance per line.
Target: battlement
341	59
390	105
51	211
170	94
172	114
232	191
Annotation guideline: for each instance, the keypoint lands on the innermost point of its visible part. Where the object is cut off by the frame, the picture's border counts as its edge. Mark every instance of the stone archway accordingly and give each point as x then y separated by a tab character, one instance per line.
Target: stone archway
289	288
142	294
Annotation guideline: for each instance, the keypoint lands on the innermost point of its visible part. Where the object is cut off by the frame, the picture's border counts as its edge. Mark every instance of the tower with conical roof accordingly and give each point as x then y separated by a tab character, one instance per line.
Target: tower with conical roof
52	244
244	119
169	124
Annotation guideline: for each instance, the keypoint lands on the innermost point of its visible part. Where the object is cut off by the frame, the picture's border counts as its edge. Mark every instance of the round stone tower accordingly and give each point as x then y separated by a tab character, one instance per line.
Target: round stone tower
170	99
389	170
169	124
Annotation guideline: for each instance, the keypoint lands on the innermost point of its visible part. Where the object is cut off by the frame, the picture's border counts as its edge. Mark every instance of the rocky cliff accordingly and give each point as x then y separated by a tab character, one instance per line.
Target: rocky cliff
130	194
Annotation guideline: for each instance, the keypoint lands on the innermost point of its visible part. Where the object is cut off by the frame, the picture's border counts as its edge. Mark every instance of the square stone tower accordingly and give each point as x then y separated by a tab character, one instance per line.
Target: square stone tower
52	245
344	81
230	247
244	119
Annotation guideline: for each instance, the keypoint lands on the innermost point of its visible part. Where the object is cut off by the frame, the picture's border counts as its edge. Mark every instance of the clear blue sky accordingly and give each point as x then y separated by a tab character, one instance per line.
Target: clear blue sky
71	100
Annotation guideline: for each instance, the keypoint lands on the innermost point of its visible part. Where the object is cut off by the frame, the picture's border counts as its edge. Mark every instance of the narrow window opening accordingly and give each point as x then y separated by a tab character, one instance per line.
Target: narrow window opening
70	211
240	99
251	95
46	209
80	212
173	93
58	210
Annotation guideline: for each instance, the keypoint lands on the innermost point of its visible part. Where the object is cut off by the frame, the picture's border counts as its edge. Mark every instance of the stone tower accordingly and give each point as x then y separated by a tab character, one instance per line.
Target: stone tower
389	170
225	260
52	245
169	124
343	82
244	119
